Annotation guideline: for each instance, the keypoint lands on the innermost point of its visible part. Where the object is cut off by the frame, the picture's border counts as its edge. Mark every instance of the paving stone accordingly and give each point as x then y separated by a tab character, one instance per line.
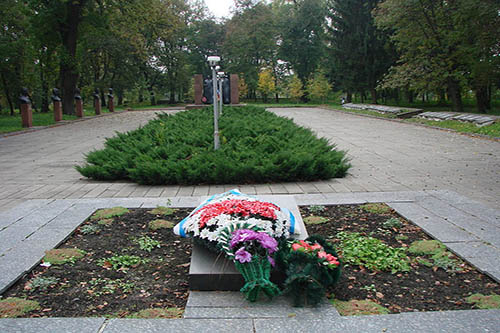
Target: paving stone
72	217
228	299
475	250
51	325
154	202
45	214
13	235
178	325
24	209
326	313
446	321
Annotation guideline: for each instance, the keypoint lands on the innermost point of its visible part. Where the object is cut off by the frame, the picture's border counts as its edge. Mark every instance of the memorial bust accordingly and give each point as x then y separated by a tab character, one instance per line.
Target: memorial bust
55	95
77	94
24	98
110	93
96	94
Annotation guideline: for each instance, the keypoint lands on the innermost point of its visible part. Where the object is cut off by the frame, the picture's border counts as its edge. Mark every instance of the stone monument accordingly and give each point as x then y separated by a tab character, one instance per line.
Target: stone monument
235	90
198	89
111	106
56	100
78	103
26	113
97	102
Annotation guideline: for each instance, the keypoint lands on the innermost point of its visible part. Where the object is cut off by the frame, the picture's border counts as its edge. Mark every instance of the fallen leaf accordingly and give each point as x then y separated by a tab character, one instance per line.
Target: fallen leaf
379	294
47	310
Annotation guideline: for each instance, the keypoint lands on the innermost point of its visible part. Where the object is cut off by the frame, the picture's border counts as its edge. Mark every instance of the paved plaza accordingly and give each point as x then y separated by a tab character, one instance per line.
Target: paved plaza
386	156
446	183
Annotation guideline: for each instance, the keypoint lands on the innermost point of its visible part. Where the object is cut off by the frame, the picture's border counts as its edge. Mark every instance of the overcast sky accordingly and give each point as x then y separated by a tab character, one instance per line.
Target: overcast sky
219	8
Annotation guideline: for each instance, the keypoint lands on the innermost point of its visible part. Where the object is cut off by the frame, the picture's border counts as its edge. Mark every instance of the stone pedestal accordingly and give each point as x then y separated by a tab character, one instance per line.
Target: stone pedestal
26	115
111	105
79	108
235	90
198	89
97	106
210	271
57	111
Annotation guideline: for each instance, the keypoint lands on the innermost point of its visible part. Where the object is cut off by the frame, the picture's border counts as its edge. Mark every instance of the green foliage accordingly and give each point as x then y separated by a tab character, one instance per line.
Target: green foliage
372	253
178	149
122	262
63	256
160	224
315	209
463	127
392	223
13	307
104	286
376	208
438	254
89	229
161	210
158	313
315	219
356	308
426	247
42	283
146	243
318	87
109	213
484	302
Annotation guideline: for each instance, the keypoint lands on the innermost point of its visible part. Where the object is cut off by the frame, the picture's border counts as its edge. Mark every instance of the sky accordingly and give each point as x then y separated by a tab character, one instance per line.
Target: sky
219	8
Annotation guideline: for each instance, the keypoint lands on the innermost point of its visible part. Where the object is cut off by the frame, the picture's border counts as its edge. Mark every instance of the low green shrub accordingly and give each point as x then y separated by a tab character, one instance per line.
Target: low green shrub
372	253
257	147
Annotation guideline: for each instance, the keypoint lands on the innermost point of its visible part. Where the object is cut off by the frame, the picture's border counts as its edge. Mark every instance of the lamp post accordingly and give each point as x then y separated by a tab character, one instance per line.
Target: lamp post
221	78
212	61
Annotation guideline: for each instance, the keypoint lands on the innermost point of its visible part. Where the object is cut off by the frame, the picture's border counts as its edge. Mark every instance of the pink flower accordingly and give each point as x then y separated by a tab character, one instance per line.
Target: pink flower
296	246
323	254
316	247
243	256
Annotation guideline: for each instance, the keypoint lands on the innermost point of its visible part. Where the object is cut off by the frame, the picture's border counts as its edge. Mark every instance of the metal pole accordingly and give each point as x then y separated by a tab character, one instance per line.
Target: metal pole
216	120
220	95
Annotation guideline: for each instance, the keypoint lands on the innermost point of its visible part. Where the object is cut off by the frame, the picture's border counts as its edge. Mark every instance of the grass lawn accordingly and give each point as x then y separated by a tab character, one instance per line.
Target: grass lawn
256	147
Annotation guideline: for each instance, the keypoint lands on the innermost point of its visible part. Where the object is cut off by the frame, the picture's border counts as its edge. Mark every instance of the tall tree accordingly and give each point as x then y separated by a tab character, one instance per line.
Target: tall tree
450	43
302	25
360	54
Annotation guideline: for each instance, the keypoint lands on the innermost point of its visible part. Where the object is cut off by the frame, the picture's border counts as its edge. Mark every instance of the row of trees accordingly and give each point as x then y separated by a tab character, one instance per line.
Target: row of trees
146	47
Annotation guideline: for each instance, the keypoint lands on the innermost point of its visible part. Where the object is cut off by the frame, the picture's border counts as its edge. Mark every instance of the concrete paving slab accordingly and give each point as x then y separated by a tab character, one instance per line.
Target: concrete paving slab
449	321
51	325
178	325
20	211
324	313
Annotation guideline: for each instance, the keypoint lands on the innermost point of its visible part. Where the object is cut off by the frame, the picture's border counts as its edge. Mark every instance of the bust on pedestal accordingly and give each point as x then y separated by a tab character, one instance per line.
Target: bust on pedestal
26	113
56	100
111	105
78	103
97	102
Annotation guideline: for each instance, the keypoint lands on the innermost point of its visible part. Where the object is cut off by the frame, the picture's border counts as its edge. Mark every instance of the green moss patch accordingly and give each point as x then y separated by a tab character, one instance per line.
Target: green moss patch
315	220
161	210
356	307
426	247
376	208
109	213
13	307
484	302
164	313
160	224
63	256
257	146
106	222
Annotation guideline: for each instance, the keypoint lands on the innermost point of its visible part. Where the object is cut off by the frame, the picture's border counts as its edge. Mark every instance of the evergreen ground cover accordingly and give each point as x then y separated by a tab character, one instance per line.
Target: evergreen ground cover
256	147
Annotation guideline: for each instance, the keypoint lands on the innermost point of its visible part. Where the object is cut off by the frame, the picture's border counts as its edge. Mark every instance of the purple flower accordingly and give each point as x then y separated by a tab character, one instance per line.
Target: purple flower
243	256
271	260
243	235
268	242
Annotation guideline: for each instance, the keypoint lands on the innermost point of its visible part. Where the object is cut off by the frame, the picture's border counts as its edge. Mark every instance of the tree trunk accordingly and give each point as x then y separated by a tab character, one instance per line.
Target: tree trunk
69	33
120	97
455	95
7	94
373	94
348	97
409	95
481	99
488	103
103	98
442	97
45	89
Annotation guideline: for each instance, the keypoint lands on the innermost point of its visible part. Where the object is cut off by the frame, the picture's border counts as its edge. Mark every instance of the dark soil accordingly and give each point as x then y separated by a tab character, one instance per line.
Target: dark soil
162	282
81	288
422	289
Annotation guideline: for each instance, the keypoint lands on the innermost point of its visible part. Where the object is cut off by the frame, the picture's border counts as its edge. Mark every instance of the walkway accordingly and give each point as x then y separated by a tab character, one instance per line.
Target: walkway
386	156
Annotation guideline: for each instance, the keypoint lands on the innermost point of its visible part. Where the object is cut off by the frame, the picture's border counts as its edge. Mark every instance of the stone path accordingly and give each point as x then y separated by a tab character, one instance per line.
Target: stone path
468	228
477	119
386	156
